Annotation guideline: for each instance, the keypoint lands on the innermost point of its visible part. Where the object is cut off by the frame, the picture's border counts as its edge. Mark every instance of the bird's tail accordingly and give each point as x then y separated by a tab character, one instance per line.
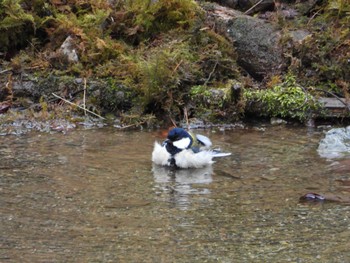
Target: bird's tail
218	153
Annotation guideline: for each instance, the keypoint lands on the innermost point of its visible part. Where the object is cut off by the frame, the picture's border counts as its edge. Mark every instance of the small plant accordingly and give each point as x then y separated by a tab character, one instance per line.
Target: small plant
199	90
287	100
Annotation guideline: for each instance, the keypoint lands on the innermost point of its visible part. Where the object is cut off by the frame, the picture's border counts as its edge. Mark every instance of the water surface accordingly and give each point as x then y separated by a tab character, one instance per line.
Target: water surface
94	196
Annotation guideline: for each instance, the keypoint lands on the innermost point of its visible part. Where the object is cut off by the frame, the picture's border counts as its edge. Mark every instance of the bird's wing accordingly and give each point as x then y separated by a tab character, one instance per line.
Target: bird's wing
203	140
183	143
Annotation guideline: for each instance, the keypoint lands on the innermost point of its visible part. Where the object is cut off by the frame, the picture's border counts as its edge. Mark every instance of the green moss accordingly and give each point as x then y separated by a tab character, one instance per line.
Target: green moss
287	100
16	25
323	55
115	97
163	70
153	52
143	19
220	103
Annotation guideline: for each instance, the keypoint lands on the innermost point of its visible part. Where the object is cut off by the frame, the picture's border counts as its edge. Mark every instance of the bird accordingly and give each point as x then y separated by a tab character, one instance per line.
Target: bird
183	149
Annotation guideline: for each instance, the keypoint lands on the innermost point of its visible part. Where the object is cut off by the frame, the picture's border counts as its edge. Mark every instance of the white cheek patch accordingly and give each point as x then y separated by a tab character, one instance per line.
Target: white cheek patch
183	143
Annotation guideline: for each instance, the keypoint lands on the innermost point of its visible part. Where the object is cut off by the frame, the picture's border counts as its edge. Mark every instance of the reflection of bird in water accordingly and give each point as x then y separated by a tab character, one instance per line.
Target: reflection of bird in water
178	185
183	149
164	174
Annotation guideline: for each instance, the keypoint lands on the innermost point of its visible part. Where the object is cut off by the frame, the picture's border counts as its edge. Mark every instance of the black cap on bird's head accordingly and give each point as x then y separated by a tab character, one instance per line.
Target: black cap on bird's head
176	134
178	139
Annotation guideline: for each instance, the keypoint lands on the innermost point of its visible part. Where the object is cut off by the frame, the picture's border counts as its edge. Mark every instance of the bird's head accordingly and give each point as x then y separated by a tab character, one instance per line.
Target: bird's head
176	134
178	139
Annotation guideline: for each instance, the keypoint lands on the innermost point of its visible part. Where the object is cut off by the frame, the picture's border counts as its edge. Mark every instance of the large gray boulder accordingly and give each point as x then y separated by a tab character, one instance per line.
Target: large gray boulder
256	41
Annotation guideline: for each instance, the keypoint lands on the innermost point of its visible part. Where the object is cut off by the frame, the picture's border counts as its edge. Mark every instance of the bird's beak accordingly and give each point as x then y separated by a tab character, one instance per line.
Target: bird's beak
166	141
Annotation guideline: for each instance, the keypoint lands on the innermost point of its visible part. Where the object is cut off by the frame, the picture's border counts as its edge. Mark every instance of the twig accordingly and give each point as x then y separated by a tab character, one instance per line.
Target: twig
177	66
250	9
84	99
9	87
313	16
4	71
173	122
186	117
72	95
211	73
71	103
335	96
306	95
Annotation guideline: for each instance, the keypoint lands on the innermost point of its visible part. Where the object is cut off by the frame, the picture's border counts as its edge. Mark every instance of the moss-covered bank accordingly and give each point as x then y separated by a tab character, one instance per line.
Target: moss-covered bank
135	59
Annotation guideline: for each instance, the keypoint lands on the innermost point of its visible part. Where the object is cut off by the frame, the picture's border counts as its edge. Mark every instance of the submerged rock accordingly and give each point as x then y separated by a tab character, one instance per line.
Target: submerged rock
315	198
312	197
336	143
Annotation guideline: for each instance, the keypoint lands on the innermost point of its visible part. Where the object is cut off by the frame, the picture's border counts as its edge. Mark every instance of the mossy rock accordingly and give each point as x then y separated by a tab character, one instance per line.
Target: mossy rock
116	98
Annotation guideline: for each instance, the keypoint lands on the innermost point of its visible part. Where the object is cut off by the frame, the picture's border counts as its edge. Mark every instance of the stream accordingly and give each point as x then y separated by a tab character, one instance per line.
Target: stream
94	196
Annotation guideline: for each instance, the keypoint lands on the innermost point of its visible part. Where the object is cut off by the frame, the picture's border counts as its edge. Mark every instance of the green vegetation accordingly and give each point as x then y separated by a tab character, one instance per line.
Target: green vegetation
14	22
219	103
159	57
286	100
324	56
156	48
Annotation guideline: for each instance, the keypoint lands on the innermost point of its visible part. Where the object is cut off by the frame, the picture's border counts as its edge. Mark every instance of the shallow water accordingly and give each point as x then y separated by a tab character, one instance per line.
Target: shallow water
94	196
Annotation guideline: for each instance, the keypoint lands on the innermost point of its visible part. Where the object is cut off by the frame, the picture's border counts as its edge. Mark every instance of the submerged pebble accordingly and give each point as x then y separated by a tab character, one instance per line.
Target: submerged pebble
312	197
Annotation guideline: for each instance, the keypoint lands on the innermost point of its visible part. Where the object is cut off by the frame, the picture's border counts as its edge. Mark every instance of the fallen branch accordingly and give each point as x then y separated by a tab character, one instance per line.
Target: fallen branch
347	106
5	70
250	9
71	103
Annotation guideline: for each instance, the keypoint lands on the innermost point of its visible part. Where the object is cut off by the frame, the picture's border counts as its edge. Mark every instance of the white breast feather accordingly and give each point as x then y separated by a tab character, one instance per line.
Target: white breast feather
160	155
189	159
